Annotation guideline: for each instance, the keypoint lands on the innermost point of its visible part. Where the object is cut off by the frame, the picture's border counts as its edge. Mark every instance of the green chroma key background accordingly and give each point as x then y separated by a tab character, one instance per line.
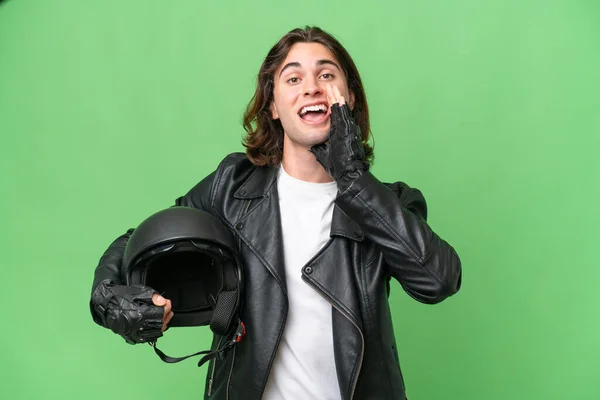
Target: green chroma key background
109	110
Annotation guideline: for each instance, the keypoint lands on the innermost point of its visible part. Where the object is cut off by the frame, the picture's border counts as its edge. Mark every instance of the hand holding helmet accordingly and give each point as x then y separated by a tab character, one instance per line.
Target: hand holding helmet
160	301
136	312
190	257
186	255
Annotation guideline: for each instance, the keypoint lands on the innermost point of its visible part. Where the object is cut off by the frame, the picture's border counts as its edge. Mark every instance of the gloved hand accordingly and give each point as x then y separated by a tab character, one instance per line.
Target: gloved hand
128	311
343	154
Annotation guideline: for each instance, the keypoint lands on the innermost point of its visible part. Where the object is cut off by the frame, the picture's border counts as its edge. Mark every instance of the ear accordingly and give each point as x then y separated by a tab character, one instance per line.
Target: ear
351	100
273	108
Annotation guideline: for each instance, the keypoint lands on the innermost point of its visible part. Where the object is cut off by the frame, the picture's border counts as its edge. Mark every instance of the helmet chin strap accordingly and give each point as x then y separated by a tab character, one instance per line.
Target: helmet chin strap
240	332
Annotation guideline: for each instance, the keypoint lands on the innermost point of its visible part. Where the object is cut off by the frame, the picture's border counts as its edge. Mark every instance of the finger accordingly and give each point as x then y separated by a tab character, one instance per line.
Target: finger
330	98
158	300
319	152
171	314
338	96
334	95
166	321
166	311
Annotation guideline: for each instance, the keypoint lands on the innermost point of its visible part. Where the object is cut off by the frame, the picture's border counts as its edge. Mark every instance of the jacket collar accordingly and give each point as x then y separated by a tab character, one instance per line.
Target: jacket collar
262	182
258	184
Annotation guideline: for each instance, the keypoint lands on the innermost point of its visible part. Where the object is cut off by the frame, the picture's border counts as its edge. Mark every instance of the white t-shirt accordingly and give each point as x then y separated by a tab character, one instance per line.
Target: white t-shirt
304	366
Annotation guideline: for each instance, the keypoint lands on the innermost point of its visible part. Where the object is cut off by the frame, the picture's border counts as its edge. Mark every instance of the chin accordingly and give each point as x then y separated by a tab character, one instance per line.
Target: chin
318	135
318	139
309	137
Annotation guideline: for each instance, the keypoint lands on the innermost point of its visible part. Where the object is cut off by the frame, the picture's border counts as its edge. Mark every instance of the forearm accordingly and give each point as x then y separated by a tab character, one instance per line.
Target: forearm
109	268
426	266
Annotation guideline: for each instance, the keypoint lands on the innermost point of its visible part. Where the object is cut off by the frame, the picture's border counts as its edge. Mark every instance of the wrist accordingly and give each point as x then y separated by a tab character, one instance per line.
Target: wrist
357	169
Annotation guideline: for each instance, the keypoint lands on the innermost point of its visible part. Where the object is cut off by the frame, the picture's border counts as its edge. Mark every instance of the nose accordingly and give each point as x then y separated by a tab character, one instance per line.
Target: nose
312	87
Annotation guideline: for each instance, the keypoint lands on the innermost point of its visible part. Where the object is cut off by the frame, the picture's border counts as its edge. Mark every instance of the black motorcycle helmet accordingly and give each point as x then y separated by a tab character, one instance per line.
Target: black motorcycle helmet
190	257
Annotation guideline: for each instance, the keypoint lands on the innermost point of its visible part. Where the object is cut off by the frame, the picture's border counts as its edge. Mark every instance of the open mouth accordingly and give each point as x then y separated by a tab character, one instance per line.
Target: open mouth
314	114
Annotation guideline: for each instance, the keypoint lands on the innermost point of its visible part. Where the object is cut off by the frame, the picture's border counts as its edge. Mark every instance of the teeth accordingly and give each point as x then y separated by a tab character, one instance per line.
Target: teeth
318	107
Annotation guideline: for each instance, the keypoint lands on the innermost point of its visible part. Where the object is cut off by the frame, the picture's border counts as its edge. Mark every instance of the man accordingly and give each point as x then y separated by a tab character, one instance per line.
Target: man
320	238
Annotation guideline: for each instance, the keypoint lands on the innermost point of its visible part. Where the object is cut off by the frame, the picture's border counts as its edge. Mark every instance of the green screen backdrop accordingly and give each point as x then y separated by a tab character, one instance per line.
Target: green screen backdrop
109	110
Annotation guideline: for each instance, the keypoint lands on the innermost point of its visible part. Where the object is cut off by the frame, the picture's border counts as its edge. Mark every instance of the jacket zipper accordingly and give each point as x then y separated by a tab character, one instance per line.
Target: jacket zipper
362	338
230	373
214	367
212	374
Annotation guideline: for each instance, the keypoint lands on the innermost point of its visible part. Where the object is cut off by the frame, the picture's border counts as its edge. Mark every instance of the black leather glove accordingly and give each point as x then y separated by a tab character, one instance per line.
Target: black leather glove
128	311
343	154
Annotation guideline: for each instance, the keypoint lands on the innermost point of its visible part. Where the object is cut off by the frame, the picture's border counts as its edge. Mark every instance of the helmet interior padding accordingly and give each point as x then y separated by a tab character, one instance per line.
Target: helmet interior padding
185	278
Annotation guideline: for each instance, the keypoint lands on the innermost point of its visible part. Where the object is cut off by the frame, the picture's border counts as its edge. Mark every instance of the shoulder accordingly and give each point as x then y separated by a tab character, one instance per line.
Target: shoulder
237	160
233	167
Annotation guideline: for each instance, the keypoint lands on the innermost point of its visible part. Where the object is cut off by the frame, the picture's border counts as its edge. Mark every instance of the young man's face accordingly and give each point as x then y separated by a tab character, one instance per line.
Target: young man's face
301	81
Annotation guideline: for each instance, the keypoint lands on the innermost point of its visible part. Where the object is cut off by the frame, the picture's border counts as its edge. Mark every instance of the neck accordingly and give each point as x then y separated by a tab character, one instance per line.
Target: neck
301	164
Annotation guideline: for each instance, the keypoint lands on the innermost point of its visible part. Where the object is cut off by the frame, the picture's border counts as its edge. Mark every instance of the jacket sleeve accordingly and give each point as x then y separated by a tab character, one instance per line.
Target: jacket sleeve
394	218
109	269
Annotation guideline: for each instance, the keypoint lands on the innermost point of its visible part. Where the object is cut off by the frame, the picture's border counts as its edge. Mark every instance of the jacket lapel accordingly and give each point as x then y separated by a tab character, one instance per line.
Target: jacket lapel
342	225
260	225
336	279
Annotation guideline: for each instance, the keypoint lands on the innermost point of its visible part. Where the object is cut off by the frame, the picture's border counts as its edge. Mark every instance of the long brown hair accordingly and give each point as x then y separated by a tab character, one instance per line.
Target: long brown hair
264	135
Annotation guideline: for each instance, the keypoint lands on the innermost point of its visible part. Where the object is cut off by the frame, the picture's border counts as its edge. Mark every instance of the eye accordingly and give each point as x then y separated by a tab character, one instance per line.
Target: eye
327	76
293	80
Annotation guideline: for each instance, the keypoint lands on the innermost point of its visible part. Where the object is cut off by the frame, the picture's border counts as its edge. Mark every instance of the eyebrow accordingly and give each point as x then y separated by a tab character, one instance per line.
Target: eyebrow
319	63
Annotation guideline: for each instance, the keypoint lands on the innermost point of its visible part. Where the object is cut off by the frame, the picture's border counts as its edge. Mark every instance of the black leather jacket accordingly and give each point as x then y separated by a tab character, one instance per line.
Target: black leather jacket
379	231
